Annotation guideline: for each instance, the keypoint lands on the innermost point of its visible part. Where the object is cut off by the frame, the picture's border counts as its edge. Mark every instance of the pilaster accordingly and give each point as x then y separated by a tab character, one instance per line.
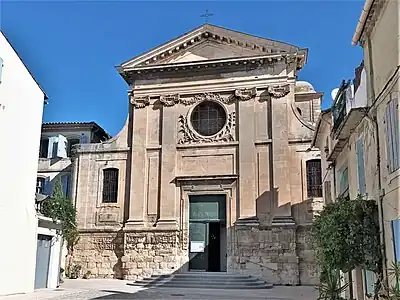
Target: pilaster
168	190
247	162
138	161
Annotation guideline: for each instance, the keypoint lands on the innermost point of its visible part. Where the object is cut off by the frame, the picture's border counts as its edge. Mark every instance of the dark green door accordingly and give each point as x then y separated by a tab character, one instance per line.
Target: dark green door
206	214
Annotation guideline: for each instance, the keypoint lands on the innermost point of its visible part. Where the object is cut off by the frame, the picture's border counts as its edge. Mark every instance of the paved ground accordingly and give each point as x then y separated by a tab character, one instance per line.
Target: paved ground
80	289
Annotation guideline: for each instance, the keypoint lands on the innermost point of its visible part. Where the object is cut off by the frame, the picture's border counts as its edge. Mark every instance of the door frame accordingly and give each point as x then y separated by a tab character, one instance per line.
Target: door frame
206	222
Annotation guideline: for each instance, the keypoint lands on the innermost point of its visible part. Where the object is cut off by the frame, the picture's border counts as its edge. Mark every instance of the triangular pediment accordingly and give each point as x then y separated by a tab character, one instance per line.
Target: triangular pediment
208	42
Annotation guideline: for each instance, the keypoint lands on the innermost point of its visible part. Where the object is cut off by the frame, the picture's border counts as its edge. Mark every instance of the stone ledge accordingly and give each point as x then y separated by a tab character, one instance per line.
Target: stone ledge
98	148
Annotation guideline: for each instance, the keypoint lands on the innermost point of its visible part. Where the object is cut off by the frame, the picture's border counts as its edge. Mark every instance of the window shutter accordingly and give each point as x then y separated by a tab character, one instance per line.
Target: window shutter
396	238
328	193
65	184
62	146
1	67
360	166
47	186
395	131
52	148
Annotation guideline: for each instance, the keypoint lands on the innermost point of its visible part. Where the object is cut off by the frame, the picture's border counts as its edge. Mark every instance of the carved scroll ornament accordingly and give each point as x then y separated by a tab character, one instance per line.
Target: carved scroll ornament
190	136
239	94
140	102
169	100
279	91
245	94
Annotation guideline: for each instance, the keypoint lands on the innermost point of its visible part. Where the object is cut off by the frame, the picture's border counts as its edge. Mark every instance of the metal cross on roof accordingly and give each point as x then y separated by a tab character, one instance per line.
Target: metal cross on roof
206	16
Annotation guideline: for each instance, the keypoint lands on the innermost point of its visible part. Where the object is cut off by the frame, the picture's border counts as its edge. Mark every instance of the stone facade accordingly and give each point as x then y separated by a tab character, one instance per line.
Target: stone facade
256	161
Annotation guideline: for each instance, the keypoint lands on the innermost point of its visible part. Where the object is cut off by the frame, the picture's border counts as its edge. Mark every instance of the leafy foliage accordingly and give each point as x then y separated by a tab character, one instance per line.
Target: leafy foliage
59	207
394	274
330	287
346	236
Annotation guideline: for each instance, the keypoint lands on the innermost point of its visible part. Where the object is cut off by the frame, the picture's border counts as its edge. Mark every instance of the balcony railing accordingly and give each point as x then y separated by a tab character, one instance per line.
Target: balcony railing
339	110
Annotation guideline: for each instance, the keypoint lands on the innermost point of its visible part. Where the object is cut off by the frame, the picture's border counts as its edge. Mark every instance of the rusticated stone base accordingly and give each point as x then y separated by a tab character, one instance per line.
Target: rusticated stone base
280	254
128	254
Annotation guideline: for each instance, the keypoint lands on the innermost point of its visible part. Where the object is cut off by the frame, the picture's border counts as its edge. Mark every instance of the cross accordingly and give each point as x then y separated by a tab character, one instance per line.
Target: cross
206	15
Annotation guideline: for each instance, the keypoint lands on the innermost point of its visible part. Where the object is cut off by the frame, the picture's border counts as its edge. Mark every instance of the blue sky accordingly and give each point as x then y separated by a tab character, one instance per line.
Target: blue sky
72	47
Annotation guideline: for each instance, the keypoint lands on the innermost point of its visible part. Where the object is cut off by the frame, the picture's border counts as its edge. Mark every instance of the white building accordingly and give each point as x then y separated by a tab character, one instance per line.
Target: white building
56	143
21	108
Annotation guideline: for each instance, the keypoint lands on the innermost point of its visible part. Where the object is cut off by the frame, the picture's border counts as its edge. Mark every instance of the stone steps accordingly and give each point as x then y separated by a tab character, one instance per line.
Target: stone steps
203	280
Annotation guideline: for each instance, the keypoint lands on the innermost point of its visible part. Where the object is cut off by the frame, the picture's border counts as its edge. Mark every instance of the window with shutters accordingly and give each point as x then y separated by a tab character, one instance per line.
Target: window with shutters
314	178
360	167
392	134
110	185
40	182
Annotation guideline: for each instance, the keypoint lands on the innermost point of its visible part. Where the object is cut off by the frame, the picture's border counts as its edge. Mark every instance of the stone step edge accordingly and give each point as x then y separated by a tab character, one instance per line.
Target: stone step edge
232	287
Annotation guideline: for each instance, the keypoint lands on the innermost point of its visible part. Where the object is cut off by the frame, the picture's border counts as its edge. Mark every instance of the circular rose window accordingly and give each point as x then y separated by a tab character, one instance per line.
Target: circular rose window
208	118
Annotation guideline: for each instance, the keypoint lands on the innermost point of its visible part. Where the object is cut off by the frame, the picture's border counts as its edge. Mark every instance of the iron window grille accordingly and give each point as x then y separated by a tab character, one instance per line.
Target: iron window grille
314	178
110	185
208	118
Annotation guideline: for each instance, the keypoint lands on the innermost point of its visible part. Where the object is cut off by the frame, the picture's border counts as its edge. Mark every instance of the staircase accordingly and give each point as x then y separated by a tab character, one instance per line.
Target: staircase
206	280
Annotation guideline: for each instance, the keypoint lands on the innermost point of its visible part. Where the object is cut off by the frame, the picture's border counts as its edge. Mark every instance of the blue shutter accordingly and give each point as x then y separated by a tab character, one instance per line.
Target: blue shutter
395	131
389	136
396	239
1	67
65	183
47	186
360	166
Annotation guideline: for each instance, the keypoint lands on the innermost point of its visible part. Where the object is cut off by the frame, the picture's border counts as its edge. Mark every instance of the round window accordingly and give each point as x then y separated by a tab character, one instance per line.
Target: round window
208	118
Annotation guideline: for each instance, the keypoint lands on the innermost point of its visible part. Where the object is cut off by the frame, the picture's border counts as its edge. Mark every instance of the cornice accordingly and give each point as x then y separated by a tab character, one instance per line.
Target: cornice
217	64
244	94
210	33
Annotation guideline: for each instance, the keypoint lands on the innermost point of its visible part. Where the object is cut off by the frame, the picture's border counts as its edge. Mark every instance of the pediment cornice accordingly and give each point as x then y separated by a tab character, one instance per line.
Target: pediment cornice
160	55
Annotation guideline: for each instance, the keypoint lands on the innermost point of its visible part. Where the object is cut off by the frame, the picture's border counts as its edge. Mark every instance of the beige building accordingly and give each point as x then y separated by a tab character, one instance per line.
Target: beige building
378	34
212	171
360	133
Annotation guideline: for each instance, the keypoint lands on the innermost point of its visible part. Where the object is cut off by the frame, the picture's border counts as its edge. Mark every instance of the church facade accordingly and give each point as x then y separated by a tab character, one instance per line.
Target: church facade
213	169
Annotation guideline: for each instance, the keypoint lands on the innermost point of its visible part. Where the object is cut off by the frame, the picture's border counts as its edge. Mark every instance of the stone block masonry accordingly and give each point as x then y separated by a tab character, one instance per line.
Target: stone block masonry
281	255
128	254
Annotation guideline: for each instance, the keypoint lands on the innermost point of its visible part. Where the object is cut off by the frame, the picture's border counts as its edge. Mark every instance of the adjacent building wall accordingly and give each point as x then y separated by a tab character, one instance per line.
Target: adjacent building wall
21	104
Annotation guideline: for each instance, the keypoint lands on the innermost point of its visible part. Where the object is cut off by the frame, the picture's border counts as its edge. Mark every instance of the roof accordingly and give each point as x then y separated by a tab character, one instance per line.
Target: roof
44	93
367	19
74	125
257	46
317	127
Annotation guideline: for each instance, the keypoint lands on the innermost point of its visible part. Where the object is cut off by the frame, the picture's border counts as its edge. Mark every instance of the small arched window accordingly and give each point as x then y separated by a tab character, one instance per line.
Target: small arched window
314	178
110	185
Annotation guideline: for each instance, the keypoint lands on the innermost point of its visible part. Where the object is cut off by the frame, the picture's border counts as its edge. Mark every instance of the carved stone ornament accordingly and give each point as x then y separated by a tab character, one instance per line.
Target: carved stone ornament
279	90
169	100
245	94
140	102
190	136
